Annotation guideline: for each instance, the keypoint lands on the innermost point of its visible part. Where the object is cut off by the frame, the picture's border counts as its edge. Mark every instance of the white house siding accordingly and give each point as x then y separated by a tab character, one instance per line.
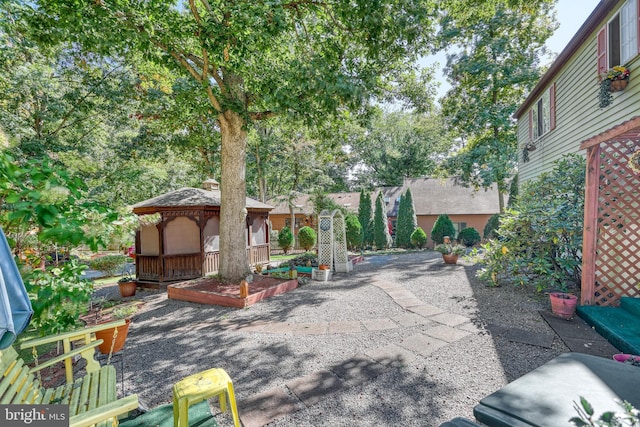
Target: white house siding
578	116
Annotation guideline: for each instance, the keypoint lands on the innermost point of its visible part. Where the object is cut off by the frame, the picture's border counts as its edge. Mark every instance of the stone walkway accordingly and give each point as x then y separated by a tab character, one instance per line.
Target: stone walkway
402	340
445	328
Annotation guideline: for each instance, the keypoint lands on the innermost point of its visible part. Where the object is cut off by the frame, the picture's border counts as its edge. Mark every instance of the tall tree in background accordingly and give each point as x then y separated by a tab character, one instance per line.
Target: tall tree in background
381	236
365	216
254	60
401	145
407	221
497	48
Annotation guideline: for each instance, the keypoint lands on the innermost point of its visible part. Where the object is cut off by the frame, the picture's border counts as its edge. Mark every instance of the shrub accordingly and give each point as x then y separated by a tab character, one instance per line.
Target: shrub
354	232
469	236
307	237
302	260
365	217
407	221
381	236
491	228
109	264
541	237
419	238
443	227
285	239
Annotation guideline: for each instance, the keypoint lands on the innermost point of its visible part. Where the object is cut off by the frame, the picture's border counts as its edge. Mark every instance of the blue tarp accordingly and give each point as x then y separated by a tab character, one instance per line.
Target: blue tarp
15	307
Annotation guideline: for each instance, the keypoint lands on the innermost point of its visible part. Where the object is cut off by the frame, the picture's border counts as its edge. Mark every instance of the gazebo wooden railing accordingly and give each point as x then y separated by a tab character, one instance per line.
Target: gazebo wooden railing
171	268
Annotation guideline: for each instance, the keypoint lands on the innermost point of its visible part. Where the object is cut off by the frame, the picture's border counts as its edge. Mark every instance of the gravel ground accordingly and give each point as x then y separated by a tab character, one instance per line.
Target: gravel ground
171	339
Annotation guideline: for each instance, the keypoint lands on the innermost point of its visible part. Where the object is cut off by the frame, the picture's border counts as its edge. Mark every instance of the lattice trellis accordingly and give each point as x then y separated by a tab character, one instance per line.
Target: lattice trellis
617	263
332	241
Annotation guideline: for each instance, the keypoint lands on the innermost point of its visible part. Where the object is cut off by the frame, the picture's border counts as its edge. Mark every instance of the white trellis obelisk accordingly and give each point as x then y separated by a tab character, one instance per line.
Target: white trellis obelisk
332	241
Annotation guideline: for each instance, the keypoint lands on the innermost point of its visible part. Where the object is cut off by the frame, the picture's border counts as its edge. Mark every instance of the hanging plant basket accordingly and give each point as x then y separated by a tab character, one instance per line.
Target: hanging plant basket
618	85
614	80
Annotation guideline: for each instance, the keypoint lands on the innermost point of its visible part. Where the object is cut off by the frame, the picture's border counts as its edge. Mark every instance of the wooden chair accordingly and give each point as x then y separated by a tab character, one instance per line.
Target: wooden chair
91	397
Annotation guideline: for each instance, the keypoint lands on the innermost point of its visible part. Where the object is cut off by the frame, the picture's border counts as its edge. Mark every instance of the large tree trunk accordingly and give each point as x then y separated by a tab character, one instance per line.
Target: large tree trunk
233	254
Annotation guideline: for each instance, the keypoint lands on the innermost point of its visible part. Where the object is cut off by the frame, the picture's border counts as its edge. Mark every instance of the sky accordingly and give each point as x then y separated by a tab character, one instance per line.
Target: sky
570	15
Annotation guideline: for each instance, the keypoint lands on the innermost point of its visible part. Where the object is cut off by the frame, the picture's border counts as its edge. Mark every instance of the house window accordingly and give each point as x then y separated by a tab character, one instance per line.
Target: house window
459	226
542	114
618	40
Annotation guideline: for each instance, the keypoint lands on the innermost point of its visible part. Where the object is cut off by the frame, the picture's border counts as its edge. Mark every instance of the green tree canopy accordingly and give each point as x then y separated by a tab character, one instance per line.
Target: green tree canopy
400	145
495	62
253	60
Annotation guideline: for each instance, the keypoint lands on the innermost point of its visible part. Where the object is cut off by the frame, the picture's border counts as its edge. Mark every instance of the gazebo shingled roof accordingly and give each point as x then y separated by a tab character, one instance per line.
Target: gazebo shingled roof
192	197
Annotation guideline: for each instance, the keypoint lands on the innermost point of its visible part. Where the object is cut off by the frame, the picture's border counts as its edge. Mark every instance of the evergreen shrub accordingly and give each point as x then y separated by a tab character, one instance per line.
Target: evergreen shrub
469	236
419	238
307	237
285	239
443	227
491	228
354	232
381	236
407	221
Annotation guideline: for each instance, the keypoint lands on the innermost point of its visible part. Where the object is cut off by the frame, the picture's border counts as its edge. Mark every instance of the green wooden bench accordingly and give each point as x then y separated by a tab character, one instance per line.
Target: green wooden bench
91	397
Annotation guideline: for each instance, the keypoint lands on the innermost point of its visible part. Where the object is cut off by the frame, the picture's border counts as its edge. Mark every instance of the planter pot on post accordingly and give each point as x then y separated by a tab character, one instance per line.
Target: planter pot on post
563	305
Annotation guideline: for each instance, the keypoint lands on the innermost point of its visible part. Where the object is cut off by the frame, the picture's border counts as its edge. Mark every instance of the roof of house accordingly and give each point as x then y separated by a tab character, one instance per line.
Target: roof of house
431	196
304	203
434	196
591	24
192	197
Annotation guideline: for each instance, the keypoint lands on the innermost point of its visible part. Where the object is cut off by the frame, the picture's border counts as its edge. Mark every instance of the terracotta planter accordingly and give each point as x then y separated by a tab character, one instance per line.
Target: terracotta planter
618	85
127	289
323	267
563	305
107	336
450	258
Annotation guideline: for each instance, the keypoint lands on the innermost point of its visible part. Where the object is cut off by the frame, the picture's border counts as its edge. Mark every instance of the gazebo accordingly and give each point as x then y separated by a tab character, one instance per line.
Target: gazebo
182	241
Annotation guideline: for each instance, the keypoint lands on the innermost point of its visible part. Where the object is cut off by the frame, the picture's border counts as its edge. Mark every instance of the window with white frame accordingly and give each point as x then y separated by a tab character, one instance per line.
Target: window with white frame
542	114
618	40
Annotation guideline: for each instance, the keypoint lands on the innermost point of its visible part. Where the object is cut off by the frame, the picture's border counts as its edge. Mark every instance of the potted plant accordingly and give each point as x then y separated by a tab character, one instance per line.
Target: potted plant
563	304
614	80
105	311
127	285
114	338
449	251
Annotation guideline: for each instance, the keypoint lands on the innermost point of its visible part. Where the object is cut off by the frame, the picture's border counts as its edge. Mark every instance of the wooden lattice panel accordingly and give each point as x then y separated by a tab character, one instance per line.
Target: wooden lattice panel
618	247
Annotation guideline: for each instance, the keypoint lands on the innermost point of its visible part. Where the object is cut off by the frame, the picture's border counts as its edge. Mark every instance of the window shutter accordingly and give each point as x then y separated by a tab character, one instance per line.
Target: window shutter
602	51
552	107
531	124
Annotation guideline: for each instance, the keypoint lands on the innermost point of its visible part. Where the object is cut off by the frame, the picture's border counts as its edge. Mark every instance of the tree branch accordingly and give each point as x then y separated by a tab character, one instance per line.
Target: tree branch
262	115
